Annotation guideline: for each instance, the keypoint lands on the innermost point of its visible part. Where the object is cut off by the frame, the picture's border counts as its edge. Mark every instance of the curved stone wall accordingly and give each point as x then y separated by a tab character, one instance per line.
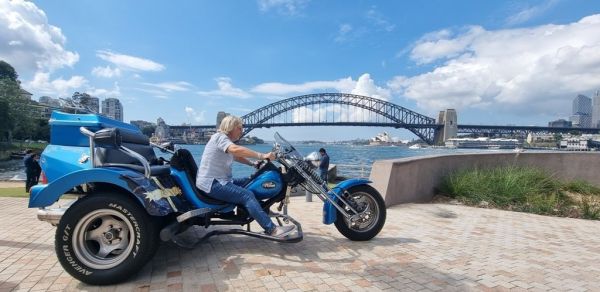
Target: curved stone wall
415	179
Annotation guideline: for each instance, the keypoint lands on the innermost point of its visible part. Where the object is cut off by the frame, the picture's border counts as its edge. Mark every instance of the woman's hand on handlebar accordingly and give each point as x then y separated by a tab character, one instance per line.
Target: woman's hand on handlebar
270	156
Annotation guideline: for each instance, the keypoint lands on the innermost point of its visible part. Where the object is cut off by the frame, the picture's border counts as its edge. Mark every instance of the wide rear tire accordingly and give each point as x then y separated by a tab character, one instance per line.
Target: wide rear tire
368	200
105	238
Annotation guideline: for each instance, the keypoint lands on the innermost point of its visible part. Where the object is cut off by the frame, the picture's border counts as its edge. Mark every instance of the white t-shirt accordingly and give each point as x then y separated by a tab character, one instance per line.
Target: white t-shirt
215	163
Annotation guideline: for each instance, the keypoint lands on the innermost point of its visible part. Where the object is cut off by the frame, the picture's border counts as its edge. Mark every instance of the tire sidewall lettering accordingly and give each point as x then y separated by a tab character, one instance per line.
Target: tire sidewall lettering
67	241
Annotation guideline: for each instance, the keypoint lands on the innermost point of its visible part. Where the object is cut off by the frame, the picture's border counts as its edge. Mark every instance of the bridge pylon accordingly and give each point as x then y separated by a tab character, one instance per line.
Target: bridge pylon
449	120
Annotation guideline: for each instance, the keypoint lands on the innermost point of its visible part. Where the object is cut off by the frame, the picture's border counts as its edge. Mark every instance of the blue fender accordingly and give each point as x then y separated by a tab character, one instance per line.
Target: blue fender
329	210
144	190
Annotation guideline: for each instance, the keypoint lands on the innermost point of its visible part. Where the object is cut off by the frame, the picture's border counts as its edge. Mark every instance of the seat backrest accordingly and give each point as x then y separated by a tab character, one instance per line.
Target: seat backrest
183	160
136	142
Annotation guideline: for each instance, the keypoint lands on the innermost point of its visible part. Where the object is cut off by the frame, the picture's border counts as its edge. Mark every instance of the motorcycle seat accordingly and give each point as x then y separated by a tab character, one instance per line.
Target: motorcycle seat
183	160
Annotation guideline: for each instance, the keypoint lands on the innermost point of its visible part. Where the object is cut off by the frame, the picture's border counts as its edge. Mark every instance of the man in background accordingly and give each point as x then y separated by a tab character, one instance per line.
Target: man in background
324	164
30	169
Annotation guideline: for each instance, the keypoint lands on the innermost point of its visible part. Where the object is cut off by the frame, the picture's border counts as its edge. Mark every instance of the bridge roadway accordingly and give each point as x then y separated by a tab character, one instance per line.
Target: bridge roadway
384	114
477	129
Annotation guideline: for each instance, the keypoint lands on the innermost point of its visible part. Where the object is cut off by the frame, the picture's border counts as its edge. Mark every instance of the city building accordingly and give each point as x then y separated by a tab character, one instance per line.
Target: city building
47	100
596	110
220	117
141	124
560	123
112	108
574	144
25	94
483	143
582	112
162	131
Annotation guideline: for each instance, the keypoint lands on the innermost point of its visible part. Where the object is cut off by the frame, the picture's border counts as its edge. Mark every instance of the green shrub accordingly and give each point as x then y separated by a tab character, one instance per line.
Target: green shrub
522	189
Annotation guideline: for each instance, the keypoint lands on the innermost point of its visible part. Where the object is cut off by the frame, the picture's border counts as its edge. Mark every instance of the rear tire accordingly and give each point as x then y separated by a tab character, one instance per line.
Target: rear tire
105	238
367	199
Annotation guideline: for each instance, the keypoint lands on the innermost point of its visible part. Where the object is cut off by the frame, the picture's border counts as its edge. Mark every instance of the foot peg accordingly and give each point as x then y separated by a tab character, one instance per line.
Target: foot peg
289	239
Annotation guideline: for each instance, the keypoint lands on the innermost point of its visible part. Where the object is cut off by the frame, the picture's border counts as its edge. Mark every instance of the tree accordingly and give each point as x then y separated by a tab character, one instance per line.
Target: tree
7	71
16	115
9	93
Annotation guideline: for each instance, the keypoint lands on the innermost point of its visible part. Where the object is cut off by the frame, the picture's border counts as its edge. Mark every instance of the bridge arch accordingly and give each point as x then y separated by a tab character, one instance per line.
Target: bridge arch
422	126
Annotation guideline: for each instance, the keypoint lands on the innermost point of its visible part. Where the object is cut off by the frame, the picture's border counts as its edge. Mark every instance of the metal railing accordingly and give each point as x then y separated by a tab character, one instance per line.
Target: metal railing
354	170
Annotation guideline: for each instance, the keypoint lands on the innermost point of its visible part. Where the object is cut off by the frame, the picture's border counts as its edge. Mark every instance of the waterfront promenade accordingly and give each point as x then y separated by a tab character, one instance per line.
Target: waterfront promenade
423	247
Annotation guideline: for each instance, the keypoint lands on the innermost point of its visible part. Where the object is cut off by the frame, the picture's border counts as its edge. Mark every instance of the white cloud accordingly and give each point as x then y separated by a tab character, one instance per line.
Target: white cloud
42	84
127	62
528	13
106	72
105	93
343	33
441	44
281	89
171	86
363	86
28	42
225	89
528	70
286	7
195	116
366	86
379	20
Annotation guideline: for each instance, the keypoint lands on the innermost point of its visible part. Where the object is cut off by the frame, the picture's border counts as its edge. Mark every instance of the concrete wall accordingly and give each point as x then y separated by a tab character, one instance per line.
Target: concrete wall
415	179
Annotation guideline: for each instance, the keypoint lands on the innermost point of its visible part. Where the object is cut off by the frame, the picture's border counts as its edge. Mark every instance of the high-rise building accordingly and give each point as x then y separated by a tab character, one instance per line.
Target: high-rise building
220	117
112	108
582	112
596	110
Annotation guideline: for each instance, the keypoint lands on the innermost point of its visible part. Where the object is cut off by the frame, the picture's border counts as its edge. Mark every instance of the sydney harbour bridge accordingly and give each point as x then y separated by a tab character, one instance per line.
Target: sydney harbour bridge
343	109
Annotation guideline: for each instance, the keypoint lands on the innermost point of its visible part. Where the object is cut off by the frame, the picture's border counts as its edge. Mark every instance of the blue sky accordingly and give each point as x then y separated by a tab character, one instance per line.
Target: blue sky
496	62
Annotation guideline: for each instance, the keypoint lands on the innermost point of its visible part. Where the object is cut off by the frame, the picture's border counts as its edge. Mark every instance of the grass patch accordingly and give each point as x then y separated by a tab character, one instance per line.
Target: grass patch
524	189
14	192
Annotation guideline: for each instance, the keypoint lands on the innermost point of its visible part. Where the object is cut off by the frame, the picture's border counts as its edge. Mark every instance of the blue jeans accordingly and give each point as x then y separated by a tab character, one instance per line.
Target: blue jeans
234	193
323	174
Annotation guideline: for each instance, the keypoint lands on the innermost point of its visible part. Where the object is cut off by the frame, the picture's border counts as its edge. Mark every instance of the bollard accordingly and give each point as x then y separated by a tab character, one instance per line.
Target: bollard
308	195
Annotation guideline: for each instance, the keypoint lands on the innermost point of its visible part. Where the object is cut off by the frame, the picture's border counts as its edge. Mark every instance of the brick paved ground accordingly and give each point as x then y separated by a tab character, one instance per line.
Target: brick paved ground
433	247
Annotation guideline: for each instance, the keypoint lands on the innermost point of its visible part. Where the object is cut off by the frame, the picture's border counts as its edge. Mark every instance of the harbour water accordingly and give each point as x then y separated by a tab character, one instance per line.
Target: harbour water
352	160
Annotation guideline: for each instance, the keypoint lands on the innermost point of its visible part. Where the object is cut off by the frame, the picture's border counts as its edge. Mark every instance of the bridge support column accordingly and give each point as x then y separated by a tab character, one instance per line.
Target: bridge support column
448	119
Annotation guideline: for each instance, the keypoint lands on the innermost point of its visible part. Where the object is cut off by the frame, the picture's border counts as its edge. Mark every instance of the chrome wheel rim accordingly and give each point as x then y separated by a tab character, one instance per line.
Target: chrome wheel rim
368	212
102	239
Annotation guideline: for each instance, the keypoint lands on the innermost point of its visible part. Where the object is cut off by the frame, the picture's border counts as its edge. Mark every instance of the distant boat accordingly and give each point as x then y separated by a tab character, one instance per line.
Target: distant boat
414	146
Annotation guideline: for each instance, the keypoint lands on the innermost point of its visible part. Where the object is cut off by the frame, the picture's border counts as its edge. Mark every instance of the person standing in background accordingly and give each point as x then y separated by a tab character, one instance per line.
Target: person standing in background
29	169
324	164
37	168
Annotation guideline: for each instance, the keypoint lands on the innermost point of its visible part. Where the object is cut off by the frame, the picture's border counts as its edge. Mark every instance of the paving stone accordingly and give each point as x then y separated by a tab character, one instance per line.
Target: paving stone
417	250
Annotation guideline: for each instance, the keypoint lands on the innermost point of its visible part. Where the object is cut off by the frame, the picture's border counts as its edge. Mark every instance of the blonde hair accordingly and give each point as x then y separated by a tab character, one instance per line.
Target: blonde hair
229	123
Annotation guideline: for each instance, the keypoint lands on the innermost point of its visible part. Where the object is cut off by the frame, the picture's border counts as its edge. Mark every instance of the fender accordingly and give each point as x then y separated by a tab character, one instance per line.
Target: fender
146	191
329	210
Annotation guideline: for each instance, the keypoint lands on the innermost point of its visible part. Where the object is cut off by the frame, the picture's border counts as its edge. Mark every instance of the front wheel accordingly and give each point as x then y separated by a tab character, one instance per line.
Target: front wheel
371	209
105	238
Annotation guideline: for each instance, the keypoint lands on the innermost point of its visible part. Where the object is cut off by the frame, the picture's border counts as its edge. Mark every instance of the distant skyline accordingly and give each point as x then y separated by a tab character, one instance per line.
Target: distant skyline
495	62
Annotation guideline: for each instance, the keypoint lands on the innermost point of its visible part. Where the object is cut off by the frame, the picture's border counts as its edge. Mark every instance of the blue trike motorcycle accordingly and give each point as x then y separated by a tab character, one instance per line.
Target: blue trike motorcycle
129	199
